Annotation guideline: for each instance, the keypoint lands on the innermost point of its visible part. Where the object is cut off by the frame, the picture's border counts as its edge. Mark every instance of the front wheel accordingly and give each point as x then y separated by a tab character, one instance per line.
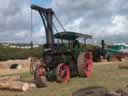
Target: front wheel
109	57
63	73
40	76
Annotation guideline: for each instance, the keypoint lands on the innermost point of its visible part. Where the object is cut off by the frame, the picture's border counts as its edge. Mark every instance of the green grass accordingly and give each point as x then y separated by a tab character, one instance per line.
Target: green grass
7	53
24	75
109	76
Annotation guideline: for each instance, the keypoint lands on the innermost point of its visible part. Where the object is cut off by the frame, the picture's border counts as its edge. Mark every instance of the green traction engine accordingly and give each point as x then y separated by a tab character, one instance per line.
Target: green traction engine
65	58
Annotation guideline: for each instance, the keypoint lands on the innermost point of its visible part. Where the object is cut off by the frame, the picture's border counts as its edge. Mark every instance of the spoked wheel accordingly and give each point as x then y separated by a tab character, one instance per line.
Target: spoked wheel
32	68
33	62
109	57
40	76
85	64
63	73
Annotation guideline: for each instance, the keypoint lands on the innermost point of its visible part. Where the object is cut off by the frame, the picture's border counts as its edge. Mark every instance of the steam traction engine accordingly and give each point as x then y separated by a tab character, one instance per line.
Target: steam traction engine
63	59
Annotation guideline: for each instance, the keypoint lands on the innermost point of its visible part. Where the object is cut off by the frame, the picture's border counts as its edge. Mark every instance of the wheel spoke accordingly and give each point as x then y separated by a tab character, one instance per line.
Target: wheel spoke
63	73
39	76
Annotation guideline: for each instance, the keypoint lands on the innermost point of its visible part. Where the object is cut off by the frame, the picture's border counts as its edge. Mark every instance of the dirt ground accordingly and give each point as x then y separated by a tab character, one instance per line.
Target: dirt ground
106	62
5	66
108	75
104	68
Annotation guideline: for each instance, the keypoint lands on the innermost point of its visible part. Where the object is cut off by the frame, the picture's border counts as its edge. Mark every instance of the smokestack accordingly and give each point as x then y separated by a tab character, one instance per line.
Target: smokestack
102	44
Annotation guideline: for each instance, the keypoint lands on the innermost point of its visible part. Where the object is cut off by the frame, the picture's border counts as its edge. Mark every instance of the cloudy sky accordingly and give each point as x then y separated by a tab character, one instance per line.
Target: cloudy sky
103	19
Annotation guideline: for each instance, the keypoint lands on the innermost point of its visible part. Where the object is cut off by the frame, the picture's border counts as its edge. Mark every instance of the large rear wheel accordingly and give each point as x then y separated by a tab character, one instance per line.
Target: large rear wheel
85	64
63	73
40	76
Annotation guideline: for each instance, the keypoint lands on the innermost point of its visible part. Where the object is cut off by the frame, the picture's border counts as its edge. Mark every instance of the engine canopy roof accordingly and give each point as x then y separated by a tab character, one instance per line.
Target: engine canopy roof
71	35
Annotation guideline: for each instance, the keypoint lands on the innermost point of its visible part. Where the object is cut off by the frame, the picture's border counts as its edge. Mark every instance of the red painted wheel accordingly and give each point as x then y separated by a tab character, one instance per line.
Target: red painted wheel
85	64
41	71
89	64
63	73
39	76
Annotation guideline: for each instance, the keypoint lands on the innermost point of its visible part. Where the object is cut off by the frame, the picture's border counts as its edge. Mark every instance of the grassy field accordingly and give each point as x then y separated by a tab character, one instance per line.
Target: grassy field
109	76
7	53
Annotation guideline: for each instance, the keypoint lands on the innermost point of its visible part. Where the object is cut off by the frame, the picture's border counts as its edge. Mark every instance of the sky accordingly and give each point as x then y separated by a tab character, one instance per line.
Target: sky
43	3
103	19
